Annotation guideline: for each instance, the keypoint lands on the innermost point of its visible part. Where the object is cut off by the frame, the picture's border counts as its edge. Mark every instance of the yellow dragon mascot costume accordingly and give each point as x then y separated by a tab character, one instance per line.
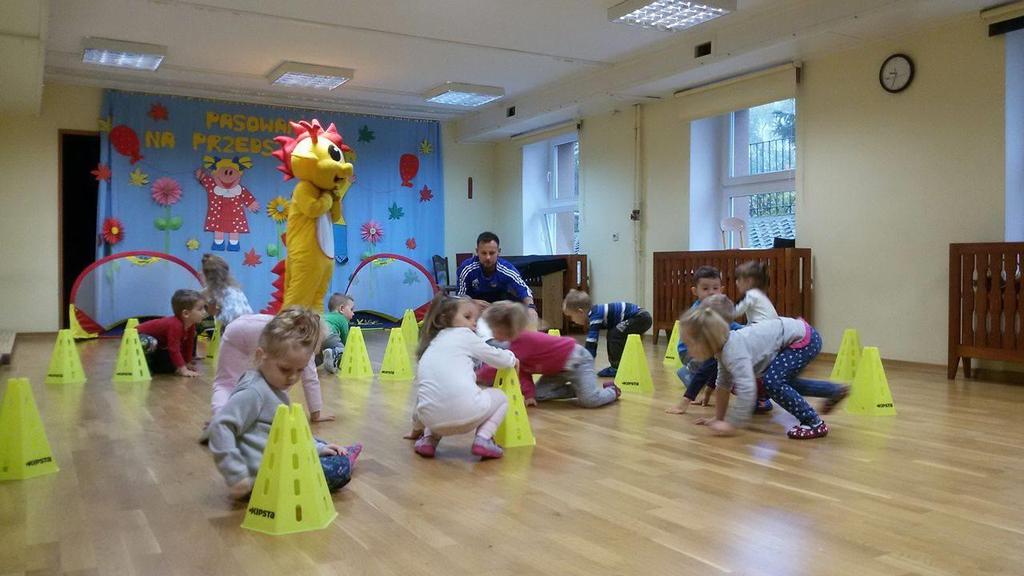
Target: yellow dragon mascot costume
317	158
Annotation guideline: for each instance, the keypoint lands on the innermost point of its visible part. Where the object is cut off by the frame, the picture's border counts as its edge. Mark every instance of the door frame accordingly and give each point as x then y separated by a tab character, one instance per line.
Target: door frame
63	312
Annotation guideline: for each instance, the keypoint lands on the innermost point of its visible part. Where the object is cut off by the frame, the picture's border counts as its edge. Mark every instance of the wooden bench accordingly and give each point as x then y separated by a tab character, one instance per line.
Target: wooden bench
6	346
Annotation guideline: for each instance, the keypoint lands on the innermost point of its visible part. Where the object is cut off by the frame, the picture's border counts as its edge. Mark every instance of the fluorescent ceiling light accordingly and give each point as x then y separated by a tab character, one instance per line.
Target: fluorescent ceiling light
120	54
299	75
459	94
669	15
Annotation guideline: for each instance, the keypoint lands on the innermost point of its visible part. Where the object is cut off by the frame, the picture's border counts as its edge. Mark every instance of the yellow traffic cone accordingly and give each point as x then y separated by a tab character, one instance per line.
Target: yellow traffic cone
355	361
131	323
131	359
213	347
410	330
554	332
77	331
396	365
845	368
633	374
65	366
290	493
514	430
870	392
24	451
672	353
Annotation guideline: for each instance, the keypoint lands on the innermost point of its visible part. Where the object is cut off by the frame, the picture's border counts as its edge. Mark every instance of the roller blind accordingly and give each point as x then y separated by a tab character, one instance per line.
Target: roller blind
747	91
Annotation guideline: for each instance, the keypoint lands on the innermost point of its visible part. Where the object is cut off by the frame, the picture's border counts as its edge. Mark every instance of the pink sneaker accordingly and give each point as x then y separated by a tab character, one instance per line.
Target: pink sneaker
426	446
618	391
486	448
353	452
801	432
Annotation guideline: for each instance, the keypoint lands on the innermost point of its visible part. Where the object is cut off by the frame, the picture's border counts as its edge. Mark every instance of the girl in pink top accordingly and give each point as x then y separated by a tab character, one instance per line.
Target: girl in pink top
237	346
566	368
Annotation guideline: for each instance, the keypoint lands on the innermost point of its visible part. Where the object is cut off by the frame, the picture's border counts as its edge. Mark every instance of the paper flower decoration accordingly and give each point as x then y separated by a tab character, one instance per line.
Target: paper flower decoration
138	177
372	232
158	112
426	147
395	212
166	191
192	244
252	258
102	173
426	195
365	134
410	243
277	209
113	231
411	278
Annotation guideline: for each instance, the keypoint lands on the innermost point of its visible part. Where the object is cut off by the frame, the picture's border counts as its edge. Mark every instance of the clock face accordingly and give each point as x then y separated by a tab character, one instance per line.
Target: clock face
896	73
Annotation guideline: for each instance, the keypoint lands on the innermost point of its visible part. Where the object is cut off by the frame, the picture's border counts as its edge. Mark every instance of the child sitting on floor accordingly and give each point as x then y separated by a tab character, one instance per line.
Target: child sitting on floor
448	401
751	280
238	347
777	349
224	296
566	368
170	342
239	431
620	319
341	309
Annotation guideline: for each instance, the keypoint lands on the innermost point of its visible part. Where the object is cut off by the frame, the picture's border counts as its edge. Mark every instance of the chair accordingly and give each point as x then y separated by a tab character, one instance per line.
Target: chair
440	264
737	225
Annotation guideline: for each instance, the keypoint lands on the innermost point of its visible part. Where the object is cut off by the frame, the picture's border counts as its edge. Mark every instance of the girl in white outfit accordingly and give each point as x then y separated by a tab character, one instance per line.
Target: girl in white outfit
751	282
448	401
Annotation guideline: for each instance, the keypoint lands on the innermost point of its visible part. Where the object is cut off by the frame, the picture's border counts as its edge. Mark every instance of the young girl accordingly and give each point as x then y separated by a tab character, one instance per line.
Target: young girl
239	344
448	401
751	280
226	299
239	431
566	368
778	349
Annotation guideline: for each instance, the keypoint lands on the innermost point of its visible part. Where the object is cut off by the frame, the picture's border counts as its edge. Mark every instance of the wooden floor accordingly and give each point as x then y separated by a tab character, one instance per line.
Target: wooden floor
626	489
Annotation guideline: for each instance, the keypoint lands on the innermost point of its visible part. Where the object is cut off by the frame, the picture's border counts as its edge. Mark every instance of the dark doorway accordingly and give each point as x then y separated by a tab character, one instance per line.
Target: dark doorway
78	155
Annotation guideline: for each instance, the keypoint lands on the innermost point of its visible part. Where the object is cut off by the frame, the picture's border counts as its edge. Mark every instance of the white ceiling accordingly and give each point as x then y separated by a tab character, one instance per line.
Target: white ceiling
553	57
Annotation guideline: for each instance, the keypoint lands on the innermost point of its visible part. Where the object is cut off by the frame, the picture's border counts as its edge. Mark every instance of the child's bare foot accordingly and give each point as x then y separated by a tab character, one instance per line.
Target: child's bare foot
531	401
319	416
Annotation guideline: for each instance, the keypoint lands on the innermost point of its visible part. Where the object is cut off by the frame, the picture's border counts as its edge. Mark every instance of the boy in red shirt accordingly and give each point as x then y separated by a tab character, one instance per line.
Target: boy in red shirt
170	342
566	368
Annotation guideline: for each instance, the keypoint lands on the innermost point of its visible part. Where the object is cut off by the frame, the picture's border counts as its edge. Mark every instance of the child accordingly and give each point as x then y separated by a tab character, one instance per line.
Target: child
226	299
777	349
238	346
239	431
170	342
567	368
448	401
342	308
751	280
695	375
620	318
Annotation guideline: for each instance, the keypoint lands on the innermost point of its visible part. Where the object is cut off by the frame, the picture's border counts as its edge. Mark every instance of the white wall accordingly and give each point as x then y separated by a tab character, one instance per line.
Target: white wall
1014	136
29	288
464	218
535	196
706	197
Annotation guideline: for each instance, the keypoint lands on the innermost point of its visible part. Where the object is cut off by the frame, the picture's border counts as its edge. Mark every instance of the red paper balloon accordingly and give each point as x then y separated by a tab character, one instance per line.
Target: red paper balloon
126	142
408	166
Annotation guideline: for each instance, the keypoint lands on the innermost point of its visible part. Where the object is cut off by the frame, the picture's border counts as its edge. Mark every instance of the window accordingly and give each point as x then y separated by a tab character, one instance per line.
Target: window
551	217
743	165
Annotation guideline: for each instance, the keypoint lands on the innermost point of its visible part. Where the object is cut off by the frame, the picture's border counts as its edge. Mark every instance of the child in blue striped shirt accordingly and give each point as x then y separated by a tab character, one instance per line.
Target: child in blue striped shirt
620	319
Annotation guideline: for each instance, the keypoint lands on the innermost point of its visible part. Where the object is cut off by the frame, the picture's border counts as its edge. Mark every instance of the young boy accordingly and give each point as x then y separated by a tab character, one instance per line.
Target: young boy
170	342
341	309
566	368
620	319
707	282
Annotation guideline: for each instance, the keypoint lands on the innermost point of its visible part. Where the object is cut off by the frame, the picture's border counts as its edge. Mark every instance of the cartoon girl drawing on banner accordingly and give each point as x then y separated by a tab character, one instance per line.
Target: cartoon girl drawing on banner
226	199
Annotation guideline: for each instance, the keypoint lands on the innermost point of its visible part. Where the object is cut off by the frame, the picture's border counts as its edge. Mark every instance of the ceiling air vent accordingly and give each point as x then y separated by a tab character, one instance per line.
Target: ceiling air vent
701	50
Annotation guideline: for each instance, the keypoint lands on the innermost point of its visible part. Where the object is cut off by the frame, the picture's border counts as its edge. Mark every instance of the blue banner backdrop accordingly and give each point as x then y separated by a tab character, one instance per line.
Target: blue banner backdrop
152	147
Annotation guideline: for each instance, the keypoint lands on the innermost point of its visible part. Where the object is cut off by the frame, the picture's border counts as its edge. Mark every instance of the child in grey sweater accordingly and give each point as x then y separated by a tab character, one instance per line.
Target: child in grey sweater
239	431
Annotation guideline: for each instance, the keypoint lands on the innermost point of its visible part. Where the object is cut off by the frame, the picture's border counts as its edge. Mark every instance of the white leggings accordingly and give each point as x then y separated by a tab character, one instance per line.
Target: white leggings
486	424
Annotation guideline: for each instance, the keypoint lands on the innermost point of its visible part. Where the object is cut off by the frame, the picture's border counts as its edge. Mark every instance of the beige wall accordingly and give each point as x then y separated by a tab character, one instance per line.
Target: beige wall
885	183
464	218
29	289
